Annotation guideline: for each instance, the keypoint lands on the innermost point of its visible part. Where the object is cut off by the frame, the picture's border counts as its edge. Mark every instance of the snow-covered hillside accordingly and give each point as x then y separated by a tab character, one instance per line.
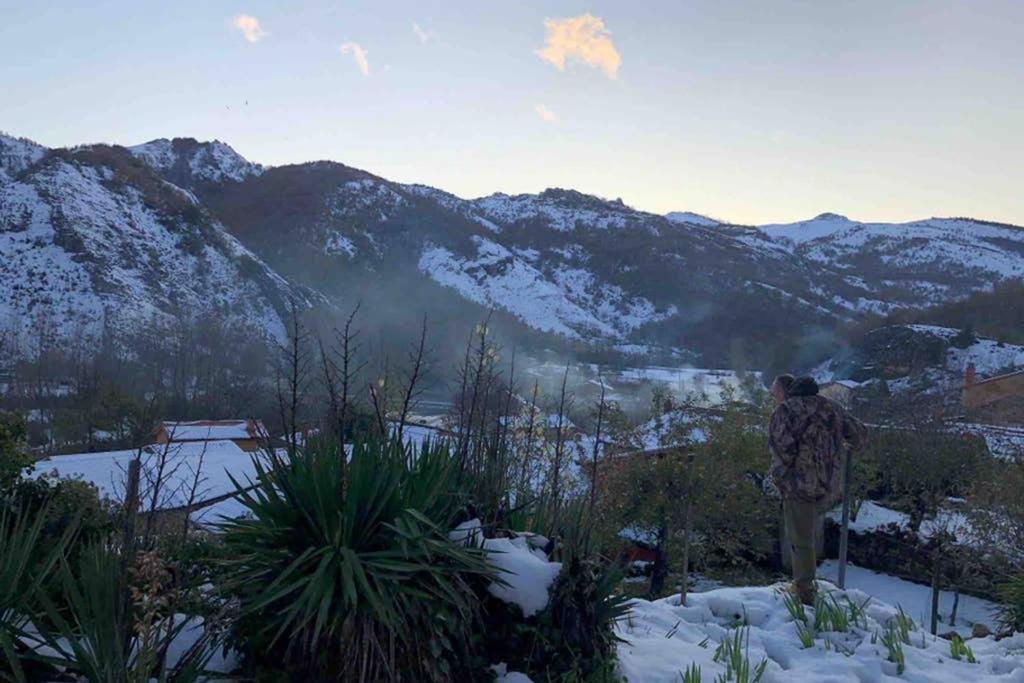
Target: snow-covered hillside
923	358
571	302
86	242
561	262
934	259
191	161
17	154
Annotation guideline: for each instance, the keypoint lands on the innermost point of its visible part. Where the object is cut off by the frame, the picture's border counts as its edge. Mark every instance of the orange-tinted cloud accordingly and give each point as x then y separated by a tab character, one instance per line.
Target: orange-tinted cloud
250	27
583	39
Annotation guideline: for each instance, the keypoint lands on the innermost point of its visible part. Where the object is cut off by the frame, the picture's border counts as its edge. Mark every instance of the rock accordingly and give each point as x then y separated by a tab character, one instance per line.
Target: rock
949	635
980	631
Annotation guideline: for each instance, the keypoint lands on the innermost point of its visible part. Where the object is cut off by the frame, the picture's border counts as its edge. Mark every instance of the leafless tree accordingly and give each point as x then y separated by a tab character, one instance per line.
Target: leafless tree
601	407
565	401
419	364
293	376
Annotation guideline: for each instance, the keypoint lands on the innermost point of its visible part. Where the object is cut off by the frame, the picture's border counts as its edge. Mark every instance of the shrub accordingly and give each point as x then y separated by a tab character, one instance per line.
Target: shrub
26	562
1010	613
573	638
347	573
117	621
14	457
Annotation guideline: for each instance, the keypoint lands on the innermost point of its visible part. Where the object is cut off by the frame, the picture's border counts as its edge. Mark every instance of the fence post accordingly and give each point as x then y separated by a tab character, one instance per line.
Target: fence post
844	531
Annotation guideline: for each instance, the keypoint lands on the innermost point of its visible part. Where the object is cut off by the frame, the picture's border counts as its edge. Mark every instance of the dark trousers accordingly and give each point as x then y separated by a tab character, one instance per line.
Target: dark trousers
800	518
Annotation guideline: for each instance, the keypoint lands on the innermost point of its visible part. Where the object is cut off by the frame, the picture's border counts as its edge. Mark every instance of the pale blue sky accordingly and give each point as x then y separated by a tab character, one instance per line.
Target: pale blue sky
754	111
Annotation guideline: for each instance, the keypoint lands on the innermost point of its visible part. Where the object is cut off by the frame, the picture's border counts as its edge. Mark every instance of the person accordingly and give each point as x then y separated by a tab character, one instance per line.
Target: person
808	436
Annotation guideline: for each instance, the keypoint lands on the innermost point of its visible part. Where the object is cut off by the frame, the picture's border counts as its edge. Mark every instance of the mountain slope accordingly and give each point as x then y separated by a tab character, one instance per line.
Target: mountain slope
919	263
91	236
160	227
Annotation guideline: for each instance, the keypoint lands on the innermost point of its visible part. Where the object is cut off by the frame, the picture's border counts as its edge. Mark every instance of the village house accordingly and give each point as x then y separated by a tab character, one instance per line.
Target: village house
998	399
248	435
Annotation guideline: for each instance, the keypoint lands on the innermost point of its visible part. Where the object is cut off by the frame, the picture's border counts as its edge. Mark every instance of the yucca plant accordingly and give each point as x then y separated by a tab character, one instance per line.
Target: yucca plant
24	565
114	627
347	573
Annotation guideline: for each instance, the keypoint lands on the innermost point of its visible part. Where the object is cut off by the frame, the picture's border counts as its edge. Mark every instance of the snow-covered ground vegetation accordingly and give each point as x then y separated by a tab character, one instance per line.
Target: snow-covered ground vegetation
853	635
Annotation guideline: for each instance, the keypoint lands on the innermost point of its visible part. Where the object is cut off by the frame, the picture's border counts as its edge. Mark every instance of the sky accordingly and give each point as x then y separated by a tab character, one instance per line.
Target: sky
751	111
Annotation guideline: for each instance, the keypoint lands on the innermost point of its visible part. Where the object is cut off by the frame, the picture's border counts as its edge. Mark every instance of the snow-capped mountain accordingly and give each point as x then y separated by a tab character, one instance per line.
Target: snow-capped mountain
175	222
691	218
90	236
17	154
185	161
917	263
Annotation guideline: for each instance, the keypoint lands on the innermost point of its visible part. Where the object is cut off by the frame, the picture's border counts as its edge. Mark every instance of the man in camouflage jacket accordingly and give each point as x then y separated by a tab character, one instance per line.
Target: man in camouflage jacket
808	436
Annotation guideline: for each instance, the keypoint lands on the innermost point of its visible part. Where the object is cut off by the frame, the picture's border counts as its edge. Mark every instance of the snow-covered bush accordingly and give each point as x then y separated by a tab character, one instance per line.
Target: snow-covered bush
554	618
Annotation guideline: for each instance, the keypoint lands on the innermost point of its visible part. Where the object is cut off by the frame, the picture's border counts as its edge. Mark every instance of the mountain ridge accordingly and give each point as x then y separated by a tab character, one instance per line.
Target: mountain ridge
560	261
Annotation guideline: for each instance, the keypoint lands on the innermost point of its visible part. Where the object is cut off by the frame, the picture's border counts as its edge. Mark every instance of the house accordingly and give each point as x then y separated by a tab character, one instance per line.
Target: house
195	477
998	399
248	435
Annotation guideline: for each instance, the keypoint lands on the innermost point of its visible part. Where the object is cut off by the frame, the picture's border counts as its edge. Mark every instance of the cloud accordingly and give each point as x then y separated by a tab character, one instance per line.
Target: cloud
423	35
583	39
546	114
359	54
249	27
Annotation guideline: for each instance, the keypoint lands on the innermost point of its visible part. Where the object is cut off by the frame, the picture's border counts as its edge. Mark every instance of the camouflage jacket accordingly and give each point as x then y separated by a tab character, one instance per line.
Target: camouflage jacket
808	436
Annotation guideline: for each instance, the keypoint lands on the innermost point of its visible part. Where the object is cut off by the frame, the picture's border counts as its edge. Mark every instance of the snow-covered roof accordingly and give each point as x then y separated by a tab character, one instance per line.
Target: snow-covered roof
212	430
205	465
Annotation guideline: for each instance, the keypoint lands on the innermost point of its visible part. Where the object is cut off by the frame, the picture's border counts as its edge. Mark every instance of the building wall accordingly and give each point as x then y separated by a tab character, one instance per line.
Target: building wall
1007	389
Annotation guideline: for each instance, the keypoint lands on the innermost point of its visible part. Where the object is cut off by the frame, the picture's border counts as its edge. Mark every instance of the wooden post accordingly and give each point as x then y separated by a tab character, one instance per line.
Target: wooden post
131	508
131	504
844	531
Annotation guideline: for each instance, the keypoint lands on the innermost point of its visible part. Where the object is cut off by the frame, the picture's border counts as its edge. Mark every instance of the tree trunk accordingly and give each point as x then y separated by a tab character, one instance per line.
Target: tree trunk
956	606
687	533
660	570
935	597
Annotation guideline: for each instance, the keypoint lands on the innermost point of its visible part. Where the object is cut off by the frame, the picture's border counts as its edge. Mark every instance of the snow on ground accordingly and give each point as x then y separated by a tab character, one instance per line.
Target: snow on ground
672	429
872	517
665	638
714	386
914	598
1003	441
503	675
